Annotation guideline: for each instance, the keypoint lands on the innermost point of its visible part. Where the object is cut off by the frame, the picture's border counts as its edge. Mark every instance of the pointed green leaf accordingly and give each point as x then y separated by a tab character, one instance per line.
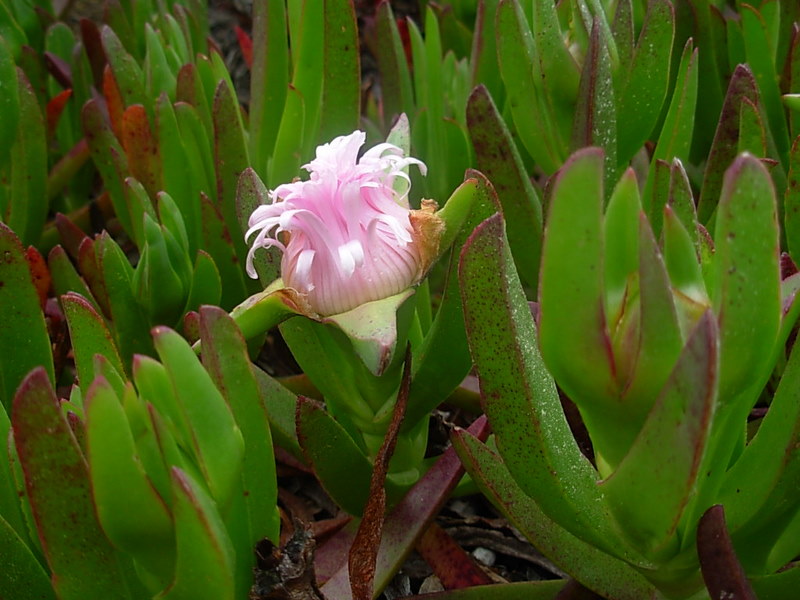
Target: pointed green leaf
205	558
572	327
89	336
341	88
216	440
22	577
82	562
519	395
643	86
344	473
119	482
649	490
600	572
25	342
225	356
497	156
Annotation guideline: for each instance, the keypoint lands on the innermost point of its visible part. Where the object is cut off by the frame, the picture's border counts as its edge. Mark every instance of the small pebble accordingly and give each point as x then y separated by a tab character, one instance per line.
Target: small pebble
484	556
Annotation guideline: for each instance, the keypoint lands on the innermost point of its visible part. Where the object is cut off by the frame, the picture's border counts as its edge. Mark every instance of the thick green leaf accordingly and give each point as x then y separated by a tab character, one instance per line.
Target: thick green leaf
620	227
443	360
396	90
285	163
340	465
226	359
25	342
643	85
109	159
130	323
519	395
205	558
595	569
216	240
675	140
230	159
216	440
206	286
791	202
595	119
341	88
498	158
761	59
82	562
126	71
660	340
177	182
269	81
572	326
649	490
89	336
746	286
119	481
726	140
9	98
516	53
22	577
763	465
308	77
281	407
27	203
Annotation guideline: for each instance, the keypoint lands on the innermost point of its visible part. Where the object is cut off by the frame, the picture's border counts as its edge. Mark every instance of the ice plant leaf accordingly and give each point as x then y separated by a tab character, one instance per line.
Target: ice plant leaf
341	87
592	567
82	562
89	336
216	440
497	156
650	488
677	131
345	474
22	577
571	282
205	557
444	360
119	482
765	463
519	395
27	207
643	85
24	325
225	356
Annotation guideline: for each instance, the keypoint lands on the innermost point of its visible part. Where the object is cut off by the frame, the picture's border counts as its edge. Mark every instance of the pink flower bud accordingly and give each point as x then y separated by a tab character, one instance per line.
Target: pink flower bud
347	234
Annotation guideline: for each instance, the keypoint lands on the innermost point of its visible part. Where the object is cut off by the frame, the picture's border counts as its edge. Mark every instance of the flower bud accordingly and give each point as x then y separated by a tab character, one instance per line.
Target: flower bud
347	234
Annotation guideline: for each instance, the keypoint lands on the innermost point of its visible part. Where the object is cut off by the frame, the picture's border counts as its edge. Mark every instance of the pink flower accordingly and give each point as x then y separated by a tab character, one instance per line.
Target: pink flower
347	234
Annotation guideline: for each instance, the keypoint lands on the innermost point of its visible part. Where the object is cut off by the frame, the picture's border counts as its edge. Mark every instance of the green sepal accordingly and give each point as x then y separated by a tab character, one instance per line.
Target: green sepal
376	329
